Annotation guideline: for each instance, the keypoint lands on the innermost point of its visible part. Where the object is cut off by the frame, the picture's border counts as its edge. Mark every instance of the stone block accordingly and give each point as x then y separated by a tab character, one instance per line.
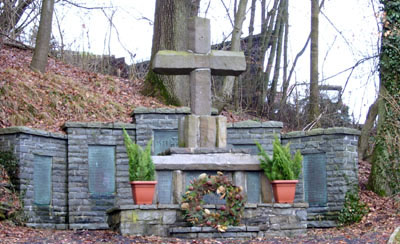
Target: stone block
266	189
177	185
239	179
181	132
200	91
207	131
199	35
221	122
227	63
191	130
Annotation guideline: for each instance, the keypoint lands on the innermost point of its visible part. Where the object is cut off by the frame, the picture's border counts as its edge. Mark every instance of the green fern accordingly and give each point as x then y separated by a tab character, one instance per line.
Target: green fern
282	166
141	166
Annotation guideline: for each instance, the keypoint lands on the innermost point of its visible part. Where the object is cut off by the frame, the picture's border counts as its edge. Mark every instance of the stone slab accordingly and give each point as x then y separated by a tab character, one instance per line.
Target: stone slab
182	63
220	161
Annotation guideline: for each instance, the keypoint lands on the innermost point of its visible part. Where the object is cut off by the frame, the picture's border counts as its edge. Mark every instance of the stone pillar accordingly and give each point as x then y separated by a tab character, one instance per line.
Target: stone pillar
266	189
177	185
239	179
221	132
200	91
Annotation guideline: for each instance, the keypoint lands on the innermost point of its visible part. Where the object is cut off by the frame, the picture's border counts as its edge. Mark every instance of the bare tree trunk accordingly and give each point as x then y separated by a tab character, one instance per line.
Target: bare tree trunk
279	43
314	92
265	43
170	33
240	15
40	55
366	130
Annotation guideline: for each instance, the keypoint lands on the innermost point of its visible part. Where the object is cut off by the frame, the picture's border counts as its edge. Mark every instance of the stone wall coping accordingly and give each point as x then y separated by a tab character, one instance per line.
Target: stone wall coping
209	206
99	125
317	132
255	124
166	110
204	150
214	161
31	131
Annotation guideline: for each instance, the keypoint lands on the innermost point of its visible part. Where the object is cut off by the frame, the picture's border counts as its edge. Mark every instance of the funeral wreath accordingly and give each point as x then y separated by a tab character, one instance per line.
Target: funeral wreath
223	215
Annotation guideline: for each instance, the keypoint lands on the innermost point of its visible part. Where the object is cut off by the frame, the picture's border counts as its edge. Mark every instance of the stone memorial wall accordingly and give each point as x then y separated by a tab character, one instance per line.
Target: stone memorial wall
42	158
97	172
330	169
85	172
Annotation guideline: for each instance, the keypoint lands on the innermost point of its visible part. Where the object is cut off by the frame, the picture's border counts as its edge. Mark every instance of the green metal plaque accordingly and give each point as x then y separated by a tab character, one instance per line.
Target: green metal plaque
102	170
164	187
42	179
314	172
253	187
164	139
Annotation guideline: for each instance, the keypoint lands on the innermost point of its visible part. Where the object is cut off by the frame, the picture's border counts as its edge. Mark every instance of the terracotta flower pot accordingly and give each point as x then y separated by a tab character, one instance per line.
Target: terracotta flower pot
143	191
284	190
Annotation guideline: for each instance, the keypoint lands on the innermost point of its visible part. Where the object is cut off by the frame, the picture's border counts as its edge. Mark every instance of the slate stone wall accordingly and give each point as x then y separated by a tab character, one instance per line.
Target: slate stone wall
338	148
27	143
244	134
87	210
149	120
240	135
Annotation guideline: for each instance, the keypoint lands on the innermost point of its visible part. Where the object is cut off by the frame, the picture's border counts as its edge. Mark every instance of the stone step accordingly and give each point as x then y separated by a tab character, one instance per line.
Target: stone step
209	232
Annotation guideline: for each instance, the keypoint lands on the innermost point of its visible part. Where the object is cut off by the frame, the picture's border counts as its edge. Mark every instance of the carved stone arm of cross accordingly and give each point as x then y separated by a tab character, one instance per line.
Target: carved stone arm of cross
200	62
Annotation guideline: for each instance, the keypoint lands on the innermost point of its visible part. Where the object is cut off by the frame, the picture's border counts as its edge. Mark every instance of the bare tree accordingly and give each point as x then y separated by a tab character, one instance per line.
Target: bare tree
40	55
170	32
314	92
240	16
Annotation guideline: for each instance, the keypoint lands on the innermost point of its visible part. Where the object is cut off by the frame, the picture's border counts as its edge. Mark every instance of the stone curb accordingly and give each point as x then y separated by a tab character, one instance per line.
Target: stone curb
328	131
99	125
31	131
391	239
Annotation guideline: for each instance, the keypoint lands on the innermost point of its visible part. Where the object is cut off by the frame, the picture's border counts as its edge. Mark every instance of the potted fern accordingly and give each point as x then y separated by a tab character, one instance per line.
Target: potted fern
141	171
282	170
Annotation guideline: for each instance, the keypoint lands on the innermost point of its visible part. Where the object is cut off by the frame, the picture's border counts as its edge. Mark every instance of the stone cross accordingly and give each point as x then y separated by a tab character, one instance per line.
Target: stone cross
200	62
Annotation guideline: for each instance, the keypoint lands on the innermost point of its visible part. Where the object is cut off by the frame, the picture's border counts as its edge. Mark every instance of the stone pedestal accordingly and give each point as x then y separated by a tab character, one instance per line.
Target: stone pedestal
202	131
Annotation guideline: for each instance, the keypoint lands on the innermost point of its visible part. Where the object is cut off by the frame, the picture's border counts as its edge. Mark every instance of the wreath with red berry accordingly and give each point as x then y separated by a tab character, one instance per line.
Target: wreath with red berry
223	215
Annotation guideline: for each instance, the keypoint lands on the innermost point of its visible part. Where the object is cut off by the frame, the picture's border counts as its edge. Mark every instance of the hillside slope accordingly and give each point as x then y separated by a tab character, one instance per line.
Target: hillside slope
63	93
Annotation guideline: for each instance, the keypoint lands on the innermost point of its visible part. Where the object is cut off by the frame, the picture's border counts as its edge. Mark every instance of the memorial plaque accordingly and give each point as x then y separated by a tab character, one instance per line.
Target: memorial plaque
164	139
252	147
102	170
314	172
211	198
164	187
42	179
253	187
